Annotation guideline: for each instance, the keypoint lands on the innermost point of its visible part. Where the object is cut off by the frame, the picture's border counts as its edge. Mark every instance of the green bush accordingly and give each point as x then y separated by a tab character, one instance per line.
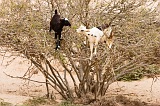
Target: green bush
149	71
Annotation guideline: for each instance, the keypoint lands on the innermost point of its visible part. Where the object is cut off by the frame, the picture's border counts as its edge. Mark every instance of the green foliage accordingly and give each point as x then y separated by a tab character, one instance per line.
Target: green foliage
67	103
5	104
2	103
39	101
136	75
152	69
35	102
140	73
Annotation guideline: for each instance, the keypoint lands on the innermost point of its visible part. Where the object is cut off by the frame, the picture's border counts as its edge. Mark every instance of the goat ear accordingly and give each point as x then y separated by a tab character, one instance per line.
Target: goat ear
56	11
111	35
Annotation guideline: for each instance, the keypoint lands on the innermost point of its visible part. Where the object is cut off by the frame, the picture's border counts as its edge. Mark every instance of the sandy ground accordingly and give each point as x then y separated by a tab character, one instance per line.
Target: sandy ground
147	90
16	91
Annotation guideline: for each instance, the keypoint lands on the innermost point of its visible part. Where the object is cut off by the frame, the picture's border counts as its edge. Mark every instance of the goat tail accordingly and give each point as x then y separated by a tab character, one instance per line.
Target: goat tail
56	11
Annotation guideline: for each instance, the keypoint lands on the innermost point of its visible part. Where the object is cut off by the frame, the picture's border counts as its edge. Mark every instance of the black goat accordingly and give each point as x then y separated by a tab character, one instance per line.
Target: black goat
57	25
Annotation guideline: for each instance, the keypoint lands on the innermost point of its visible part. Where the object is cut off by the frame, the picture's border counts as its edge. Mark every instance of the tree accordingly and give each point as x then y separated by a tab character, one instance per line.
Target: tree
25	26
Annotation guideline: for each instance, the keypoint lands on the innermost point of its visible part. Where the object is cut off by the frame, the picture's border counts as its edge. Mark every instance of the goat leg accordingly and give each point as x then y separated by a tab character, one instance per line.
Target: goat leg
50	29
91	49
57	44
55	35
59	36
95	48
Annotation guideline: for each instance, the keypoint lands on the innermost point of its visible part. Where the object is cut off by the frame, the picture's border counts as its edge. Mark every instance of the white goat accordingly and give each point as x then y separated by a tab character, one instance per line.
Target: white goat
94	36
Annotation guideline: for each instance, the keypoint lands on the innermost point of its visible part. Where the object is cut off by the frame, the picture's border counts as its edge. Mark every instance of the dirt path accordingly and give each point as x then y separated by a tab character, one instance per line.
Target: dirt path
147	90
16	91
